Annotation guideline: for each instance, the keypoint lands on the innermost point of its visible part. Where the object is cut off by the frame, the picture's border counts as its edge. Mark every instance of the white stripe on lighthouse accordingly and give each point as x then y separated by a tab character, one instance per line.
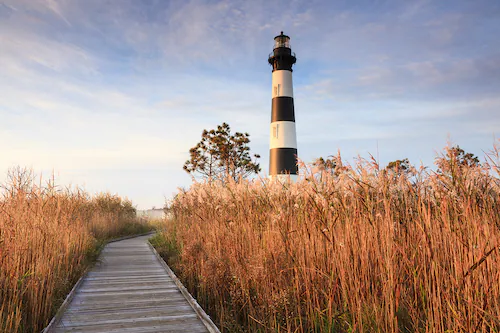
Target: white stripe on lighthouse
282	84
283	135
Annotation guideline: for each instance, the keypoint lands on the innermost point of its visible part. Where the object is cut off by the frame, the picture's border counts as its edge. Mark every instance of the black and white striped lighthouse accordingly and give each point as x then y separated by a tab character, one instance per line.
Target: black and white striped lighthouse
283	143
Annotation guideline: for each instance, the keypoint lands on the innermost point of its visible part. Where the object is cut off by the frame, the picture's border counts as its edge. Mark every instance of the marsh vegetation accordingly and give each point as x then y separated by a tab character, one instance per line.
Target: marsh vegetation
49	235
352	248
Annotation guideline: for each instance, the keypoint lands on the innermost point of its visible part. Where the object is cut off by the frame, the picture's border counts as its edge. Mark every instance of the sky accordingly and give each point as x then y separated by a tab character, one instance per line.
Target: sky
110	95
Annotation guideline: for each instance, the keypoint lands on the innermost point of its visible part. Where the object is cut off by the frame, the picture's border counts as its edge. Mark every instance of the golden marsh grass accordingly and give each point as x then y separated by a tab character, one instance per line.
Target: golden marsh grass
48	237
360	249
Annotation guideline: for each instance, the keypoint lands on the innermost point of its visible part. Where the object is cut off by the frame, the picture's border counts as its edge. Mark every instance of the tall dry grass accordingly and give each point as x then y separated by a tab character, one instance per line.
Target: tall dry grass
358	249
48	236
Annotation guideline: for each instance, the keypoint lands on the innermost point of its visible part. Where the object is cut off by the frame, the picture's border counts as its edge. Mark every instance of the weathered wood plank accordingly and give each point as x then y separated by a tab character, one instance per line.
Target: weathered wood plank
131	291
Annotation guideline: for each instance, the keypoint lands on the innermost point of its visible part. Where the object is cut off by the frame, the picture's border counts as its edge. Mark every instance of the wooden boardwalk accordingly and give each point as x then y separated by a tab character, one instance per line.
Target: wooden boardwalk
130	290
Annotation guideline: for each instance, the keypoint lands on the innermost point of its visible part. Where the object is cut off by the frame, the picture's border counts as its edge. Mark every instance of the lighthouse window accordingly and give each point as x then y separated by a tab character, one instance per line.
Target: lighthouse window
277	90
282	42
275	131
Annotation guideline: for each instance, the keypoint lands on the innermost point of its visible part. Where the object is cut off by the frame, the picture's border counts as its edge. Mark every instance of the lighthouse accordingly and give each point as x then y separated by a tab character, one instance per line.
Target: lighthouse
283	141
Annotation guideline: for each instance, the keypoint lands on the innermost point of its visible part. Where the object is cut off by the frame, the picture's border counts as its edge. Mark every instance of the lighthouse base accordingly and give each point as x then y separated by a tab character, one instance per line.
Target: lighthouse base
284	179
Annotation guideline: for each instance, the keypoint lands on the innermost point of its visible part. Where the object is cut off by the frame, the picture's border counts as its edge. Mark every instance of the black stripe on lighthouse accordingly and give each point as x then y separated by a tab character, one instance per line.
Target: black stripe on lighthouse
284	161
283	138
282	109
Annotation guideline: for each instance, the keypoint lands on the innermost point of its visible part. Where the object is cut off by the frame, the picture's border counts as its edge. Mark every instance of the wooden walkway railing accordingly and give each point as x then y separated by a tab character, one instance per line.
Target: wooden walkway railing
130	290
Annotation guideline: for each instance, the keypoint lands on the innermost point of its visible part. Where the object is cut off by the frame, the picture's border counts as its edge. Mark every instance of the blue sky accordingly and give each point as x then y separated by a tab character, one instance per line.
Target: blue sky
111	95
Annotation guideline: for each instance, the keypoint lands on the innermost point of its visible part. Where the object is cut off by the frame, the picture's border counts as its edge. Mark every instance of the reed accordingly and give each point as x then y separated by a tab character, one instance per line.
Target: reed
48	237
358	249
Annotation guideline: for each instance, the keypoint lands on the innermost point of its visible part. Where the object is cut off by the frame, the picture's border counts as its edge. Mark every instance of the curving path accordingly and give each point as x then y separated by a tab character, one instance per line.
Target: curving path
130	290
